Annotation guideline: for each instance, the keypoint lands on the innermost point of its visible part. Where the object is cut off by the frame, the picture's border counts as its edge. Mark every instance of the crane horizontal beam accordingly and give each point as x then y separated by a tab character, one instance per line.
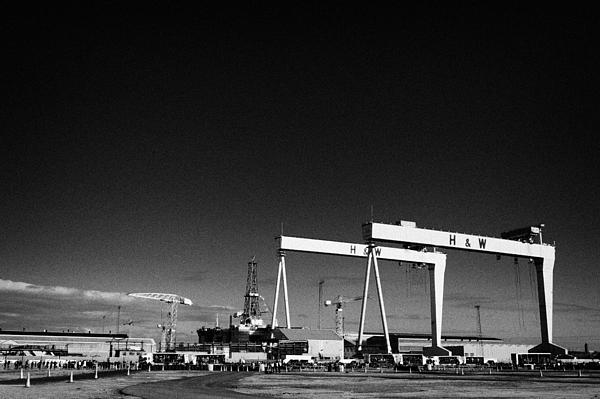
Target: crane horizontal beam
341	299
444	239
357	250
169	298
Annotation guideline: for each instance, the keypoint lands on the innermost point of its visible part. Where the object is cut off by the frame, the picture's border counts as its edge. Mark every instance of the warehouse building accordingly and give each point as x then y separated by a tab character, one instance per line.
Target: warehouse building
268	344
319	344
469	346
73	345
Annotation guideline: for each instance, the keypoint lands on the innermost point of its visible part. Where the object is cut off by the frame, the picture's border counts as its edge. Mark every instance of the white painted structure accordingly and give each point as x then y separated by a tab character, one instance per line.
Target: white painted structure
436	263
541	255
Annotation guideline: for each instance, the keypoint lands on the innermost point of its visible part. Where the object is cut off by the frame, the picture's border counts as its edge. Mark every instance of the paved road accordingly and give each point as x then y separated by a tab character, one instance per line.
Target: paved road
208	386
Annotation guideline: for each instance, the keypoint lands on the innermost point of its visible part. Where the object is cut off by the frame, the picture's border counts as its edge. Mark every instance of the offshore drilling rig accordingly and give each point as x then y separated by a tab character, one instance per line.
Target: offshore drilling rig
250	329
250	318
251	314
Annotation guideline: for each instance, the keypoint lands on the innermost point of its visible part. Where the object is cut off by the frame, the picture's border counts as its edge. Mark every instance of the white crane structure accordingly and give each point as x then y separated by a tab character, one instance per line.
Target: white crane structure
167	339
339	302
420	246
435	261
519	243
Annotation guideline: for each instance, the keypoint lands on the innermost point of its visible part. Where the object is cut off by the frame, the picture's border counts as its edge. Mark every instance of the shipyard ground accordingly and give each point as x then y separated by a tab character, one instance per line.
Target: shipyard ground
202	384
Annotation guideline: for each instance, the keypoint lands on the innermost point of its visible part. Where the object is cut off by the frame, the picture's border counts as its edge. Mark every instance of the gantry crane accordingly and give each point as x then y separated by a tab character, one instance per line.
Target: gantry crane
167	339
339	317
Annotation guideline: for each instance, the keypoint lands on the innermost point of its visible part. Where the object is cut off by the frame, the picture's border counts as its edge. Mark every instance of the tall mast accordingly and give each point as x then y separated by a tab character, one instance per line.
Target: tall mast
251	301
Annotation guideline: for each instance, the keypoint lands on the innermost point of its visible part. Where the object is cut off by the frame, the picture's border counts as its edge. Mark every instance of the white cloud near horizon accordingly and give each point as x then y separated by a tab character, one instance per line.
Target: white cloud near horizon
62	292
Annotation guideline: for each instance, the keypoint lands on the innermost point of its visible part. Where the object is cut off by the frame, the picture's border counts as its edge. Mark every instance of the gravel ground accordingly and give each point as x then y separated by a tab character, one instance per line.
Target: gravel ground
418	386
84	386
203	384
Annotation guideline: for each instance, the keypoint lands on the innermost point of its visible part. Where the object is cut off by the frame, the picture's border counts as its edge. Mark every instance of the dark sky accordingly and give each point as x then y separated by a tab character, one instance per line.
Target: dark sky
159	148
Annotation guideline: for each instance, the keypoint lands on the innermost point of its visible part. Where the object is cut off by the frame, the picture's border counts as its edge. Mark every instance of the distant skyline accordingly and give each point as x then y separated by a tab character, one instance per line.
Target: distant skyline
159	149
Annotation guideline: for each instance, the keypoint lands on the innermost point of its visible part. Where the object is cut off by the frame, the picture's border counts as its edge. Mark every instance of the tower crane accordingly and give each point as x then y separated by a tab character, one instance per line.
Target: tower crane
167	339
339	302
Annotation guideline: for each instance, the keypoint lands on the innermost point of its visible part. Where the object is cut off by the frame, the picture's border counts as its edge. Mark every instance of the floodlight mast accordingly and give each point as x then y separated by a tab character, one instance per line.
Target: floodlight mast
517	243
168	341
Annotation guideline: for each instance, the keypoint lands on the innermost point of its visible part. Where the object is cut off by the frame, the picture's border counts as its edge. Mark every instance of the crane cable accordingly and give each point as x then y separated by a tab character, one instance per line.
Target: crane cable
518	296
533	289
408	285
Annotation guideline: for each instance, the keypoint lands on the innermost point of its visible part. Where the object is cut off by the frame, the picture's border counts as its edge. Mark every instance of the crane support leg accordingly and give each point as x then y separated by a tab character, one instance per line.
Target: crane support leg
281	275
363	310
285	294
381	304
372	260
545	272
545	284
436	289
276	299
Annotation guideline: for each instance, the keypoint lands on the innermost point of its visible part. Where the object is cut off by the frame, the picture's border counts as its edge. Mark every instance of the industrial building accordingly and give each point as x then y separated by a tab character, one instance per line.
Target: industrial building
75	346
465	346
319	344
268	344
